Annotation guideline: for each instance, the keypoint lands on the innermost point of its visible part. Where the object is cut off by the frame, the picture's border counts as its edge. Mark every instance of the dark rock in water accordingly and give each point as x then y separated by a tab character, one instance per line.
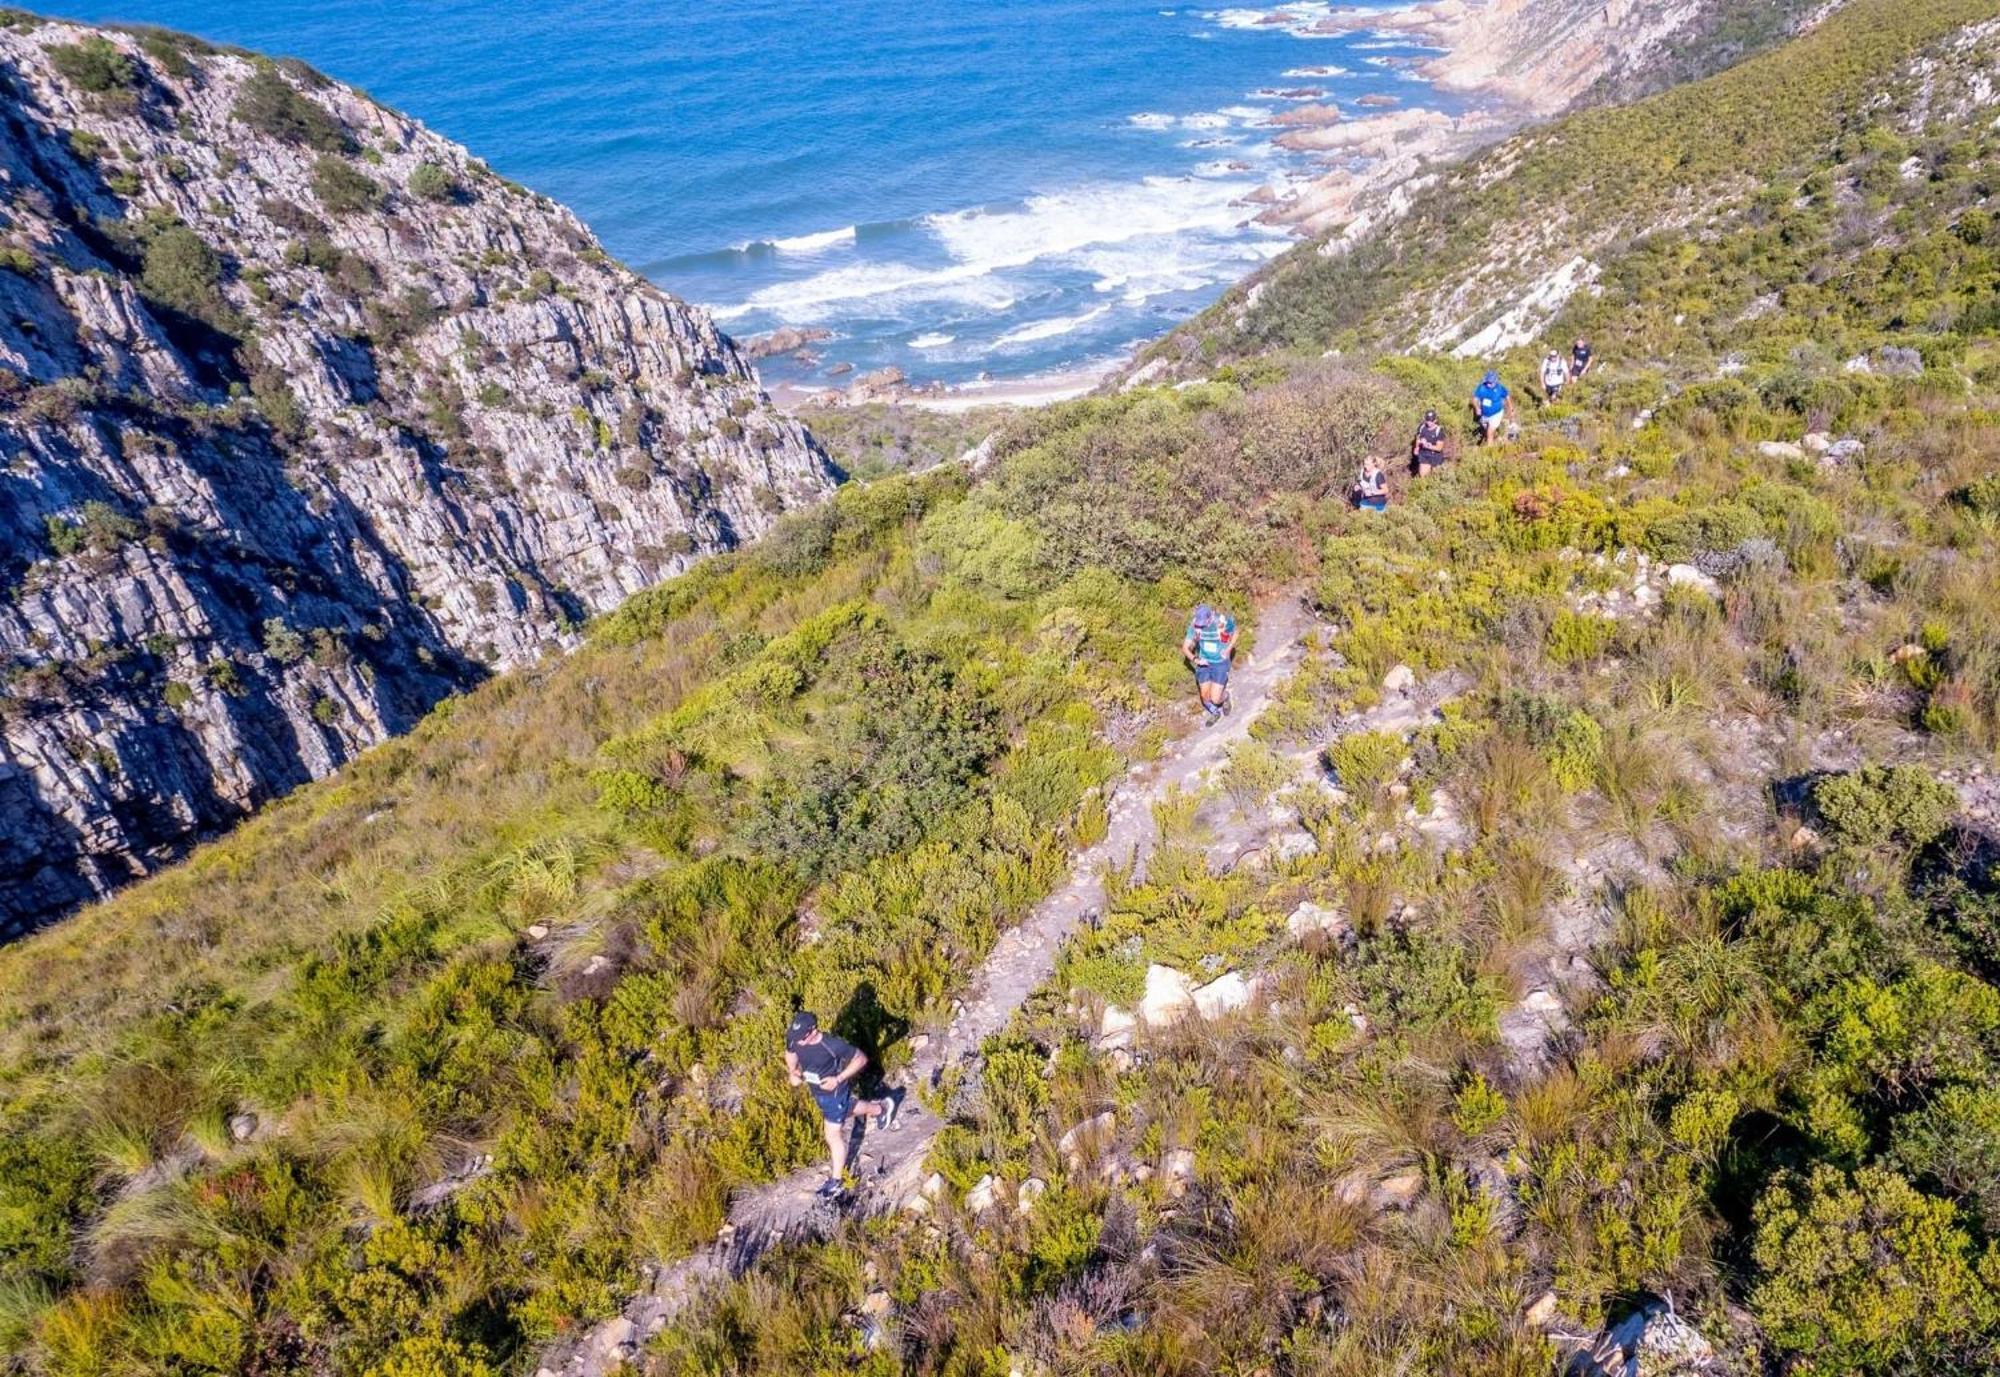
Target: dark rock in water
881	380
330	439
789	340
840	370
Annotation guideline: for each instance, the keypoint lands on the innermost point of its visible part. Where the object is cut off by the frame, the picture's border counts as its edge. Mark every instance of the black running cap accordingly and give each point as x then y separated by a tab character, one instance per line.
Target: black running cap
803	1026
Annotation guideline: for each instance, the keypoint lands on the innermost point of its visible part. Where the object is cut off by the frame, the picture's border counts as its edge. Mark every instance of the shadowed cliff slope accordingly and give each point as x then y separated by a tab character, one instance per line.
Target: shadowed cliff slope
306	420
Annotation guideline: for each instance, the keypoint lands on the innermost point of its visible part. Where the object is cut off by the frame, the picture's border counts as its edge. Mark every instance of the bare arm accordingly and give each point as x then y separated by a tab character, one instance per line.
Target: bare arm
792	1068
855	1065
1187	648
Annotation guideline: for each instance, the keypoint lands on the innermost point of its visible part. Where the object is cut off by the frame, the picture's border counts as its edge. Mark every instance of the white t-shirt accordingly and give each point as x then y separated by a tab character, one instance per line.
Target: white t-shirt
1554	372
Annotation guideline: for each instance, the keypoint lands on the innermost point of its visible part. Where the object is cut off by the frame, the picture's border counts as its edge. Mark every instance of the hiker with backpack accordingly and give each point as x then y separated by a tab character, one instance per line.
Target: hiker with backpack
1492	405
1208	646
1427	450
829	1066
1555	376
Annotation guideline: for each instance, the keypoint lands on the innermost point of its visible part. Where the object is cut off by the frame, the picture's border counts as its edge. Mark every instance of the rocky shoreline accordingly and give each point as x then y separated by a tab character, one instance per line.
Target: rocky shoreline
1515	61
1365	166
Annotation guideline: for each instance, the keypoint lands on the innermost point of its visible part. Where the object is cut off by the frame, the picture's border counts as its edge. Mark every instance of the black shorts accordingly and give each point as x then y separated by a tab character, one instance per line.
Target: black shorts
1431	458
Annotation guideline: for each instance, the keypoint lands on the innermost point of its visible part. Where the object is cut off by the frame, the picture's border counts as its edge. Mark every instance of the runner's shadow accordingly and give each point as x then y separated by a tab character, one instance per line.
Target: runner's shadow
865	1023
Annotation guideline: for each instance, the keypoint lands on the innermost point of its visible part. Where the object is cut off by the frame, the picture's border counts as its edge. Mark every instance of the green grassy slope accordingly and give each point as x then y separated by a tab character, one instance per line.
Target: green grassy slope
554	932
551	936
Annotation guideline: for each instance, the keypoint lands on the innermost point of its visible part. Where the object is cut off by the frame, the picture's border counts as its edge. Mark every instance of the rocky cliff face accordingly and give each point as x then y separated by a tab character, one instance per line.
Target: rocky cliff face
306	419
1548	55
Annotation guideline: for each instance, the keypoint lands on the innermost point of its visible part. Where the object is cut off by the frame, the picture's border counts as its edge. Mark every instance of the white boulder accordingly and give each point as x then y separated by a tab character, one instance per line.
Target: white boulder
1225	994
1115	1028
1687	576
1092	1135
1168	996
1310	917
1031	1190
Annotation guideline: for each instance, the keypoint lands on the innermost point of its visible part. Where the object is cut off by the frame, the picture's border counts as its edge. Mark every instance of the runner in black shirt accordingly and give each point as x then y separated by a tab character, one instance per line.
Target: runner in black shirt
1427	450
829	1065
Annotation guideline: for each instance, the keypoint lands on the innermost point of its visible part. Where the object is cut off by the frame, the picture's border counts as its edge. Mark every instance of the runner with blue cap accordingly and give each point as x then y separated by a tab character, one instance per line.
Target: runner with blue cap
1491	403
1208	646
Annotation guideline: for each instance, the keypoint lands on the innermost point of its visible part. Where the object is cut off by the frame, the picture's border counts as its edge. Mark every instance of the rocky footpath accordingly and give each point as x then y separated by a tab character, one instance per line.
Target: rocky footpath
307	419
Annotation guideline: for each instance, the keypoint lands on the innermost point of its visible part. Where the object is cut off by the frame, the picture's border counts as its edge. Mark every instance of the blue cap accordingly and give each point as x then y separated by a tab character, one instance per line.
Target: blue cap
1203	615
803	1026
1491	377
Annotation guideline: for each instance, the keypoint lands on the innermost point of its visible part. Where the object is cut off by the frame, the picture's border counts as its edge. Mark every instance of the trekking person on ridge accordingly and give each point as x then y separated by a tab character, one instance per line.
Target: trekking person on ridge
1555	374
1371	488
1491	405
1427	449
1208	645
829	1065
1580	359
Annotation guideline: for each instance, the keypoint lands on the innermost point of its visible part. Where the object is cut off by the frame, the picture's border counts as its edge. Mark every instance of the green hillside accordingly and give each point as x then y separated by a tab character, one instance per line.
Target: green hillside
411	1075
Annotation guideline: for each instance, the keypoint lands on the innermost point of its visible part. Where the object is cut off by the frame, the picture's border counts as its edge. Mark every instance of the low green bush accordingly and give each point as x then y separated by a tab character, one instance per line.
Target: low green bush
1885	805
96	64
343	189
272	106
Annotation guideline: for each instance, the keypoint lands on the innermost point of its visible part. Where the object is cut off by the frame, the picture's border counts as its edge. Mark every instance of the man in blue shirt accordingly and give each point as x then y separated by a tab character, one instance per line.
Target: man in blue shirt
1491	404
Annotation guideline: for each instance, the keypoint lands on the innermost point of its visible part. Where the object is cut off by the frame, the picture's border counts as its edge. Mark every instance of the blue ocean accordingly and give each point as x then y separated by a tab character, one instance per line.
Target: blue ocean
967	189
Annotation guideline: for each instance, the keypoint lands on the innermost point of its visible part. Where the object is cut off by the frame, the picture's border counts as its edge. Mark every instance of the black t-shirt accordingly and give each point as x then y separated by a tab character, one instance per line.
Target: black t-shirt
1579	358
824	1059
1430	436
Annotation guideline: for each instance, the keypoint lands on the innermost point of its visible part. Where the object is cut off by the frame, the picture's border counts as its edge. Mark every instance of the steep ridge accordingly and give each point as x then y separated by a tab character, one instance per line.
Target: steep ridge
306	420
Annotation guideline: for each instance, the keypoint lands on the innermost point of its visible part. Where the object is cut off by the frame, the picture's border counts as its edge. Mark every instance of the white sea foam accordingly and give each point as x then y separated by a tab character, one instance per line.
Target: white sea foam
1135	240
1151	121
813	243
1049	329
1300	20
1105	213
981	243
1301	14
828	293
1250	114
1219	169
1139	272
1224	142
1318	71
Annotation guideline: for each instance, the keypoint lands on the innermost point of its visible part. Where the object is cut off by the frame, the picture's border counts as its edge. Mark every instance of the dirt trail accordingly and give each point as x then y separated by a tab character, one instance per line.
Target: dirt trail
889	1166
